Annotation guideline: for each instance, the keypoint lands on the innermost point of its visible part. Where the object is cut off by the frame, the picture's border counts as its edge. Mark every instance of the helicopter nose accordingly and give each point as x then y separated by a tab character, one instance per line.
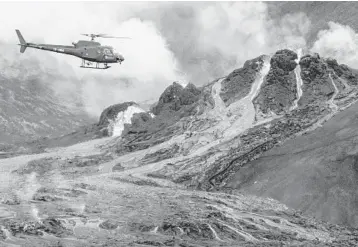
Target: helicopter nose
120	59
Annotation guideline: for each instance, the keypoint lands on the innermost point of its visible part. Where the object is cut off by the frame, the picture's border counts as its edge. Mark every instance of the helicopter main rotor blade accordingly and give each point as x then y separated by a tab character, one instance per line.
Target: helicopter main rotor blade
115	37
102	35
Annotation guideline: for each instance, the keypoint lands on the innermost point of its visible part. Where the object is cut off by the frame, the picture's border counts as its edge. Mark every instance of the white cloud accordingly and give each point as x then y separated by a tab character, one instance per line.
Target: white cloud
244	30
292	30
149	64
182	42
339	42
235	29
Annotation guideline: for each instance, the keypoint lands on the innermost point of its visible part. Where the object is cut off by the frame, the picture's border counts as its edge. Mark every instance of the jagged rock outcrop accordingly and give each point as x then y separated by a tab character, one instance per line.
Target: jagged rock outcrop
114	119
345	78
110	113
317	86
279	88
176	96
343	71
139	122
238	83
172	114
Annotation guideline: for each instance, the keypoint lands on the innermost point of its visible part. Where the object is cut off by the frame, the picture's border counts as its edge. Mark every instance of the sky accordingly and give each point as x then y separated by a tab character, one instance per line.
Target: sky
170	41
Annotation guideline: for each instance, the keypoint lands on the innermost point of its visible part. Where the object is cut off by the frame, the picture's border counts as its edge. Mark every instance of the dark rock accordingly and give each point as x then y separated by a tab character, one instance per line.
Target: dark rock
169	98
86	186
141	227
2	235
169	229
343	71
46	198
284	60
29	228
109	225
150	243
54	226
238	83
140	119
117	167
74	193
162	154
111	112
317	86
86	161
279	89
175	96
192	230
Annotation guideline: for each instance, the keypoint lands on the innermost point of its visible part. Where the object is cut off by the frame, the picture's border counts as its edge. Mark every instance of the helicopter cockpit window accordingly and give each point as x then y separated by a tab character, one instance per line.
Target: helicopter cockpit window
107	51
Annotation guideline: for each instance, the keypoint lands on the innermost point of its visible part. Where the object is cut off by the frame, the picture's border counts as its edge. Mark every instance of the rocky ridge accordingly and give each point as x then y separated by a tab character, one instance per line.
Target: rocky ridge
279	88
198	141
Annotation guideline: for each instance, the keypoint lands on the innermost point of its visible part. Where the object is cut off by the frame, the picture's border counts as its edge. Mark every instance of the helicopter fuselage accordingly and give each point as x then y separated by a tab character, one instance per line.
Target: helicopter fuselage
87	50
90	51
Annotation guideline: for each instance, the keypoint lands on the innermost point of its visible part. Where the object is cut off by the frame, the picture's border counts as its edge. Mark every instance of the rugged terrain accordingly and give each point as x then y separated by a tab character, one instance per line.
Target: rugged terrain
188	171
30	106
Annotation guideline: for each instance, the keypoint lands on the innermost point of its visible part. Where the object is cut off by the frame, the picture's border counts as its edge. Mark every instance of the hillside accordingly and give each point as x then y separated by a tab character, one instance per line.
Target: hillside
33	104
315	173
181	172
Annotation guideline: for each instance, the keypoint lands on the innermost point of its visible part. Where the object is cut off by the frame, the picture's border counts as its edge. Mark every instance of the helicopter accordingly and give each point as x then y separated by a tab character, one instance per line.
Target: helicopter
89	51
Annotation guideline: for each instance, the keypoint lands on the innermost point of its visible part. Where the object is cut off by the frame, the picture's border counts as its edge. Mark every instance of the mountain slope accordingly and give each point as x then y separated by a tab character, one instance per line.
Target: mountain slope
159	177
67	197
33	103
315	173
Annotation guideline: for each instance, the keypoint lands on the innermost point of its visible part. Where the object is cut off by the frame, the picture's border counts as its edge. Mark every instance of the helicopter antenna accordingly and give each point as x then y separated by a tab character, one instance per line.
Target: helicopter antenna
101	35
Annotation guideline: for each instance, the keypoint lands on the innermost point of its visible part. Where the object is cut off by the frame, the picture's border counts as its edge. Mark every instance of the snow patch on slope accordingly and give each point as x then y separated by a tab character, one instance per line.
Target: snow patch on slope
333	106
245	117
240	115
298	79
219	109
123	117
255	89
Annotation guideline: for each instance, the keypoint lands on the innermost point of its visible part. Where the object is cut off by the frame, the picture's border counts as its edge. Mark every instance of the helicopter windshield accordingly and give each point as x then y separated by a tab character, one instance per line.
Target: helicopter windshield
108	51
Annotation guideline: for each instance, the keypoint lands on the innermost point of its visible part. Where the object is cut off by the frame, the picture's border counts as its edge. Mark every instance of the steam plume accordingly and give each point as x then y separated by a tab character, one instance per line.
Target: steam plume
338	41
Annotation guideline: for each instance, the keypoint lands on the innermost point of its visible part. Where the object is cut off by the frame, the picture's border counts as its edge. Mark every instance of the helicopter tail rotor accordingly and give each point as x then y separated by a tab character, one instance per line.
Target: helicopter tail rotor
23	43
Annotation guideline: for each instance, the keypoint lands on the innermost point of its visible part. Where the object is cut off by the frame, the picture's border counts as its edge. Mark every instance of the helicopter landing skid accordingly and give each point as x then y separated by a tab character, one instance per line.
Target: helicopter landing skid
87	66
92	67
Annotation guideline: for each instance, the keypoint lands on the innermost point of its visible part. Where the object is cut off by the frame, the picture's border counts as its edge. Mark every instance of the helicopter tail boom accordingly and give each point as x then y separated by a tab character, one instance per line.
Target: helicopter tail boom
23	43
